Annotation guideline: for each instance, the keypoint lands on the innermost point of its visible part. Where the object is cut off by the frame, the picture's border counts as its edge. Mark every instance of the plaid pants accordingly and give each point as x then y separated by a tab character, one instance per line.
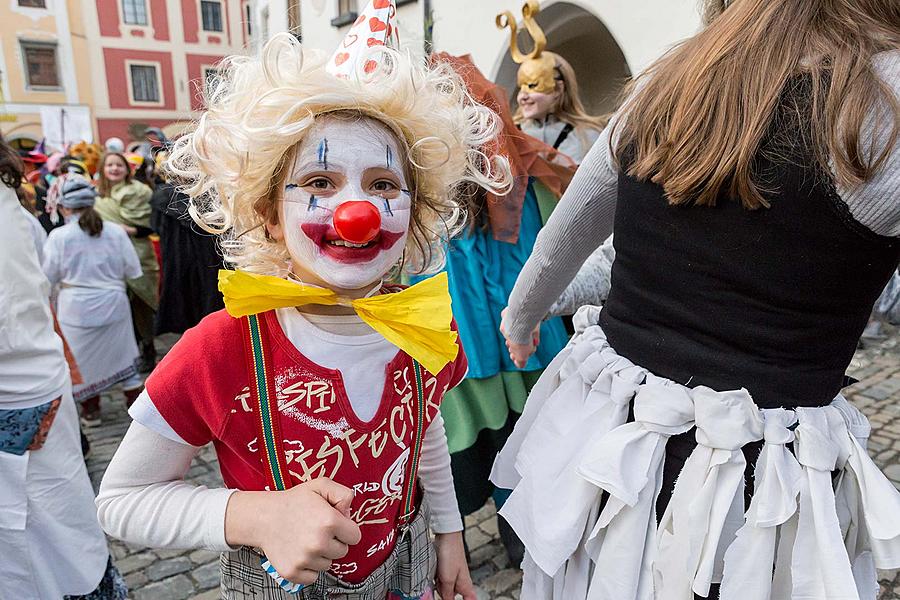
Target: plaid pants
408	573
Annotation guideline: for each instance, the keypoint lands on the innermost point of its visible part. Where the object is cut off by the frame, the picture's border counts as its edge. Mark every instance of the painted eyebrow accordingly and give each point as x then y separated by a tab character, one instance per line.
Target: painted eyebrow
322	153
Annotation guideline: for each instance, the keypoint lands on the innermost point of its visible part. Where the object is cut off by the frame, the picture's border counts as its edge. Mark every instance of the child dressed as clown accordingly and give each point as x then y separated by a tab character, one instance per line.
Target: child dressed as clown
319	385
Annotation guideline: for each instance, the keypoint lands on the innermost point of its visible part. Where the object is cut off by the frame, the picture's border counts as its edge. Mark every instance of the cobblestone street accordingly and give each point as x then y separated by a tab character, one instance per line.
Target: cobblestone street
178	574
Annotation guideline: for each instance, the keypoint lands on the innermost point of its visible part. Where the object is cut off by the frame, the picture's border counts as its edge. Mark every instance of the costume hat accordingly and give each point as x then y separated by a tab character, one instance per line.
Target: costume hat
537	71
375	26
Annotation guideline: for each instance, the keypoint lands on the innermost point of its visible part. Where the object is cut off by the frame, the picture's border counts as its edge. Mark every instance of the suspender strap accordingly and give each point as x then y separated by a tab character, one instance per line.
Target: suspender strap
263	391
563	135
408	507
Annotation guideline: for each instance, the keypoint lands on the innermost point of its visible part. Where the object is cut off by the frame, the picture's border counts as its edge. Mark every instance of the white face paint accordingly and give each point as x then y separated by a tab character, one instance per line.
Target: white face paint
340	162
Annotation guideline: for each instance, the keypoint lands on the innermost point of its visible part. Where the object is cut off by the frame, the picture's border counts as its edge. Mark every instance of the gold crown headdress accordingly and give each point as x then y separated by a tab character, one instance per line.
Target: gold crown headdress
537	71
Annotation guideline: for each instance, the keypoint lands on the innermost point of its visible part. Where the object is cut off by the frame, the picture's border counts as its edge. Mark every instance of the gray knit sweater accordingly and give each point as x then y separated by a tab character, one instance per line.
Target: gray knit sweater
584	218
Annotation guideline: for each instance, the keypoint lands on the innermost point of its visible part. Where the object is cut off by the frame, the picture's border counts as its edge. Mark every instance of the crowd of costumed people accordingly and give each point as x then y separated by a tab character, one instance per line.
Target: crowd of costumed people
399	297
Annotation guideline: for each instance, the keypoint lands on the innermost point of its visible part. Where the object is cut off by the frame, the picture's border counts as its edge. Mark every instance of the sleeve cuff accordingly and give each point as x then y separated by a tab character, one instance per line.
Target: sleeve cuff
216	505
446	523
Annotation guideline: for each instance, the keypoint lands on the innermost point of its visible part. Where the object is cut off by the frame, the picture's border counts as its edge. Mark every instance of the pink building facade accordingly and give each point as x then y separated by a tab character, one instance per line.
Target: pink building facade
153	60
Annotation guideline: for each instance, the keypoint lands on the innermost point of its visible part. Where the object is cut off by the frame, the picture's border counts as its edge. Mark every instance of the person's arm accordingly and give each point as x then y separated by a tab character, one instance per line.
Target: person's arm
581	221
437	481
135	206
50	262
144	500
132	263
876	202
591	284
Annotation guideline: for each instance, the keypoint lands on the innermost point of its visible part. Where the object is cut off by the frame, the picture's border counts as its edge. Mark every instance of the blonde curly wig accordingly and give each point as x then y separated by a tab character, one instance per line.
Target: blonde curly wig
234	161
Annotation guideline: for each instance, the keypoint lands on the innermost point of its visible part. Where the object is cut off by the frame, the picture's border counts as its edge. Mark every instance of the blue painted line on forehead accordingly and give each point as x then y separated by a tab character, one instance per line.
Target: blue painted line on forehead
323	152
313	203
389	157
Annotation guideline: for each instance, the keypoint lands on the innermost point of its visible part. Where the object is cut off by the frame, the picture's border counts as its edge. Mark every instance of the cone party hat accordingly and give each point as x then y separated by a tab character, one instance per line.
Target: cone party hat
375	26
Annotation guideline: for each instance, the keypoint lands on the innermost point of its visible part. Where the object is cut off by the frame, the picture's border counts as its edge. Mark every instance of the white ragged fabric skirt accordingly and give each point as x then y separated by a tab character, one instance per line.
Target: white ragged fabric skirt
585	483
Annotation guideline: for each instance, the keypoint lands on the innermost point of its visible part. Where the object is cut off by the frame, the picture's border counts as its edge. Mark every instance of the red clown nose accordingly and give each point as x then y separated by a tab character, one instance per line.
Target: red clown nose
357	221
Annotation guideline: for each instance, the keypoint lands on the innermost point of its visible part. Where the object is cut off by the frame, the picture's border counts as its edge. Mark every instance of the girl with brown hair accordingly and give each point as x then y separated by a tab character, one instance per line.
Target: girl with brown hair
126	201
752	180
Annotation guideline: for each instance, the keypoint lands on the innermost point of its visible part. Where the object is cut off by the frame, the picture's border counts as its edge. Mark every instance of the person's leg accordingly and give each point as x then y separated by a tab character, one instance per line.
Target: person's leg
90	411
132	388
85	445
142	316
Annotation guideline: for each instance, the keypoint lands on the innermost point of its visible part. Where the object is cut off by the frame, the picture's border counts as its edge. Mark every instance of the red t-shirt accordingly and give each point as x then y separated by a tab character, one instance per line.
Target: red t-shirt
201	388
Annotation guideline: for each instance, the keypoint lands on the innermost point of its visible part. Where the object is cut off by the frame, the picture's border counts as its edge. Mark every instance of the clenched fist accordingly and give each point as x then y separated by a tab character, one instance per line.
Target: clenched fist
301	530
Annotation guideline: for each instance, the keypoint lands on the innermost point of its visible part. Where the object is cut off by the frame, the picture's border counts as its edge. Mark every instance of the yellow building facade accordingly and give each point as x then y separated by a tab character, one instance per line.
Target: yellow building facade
45	86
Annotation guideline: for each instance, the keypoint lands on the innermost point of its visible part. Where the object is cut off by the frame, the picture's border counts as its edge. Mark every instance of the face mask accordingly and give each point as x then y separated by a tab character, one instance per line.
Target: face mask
346	208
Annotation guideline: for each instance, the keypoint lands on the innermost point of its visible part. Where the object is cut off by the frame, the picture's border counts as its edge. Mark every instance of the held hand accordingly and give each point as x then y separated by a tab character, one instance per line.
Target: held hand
452	571
520	353
301	530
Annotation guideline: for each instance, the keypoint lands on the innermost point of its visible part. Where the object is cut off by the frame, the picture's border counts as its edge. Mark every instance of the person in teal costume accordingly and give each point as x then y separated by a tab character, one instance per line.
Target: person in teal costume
482	264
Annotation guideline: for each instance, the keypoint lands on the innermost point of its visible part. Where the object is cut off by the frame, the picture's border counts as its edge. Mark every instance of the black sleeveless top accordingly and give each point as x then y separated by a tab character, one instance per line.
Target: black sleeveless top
773	300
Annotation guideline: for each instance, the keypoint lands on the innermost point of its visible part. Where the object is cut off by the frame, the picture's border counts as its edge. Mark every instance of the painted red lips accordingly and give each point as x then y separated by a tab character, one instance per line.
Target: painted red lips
324	236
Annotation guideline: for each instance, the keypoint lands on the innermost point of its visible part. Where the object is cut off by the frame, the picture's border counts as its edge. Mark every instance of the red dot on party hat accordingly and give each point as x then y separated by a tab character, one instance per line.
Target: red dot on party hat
357	221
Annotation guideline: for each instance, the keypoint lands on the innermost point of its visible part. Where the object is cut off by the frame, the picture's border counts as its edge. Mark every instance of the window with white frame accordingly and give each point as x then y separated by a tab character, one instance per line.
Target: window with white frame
144	83
41	68
211	12
134	12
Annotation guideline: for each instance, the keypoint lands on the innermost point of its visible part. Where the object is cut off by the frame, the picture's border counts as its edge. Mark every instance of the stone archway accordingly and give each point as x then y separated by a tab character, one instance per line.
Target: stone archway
582	39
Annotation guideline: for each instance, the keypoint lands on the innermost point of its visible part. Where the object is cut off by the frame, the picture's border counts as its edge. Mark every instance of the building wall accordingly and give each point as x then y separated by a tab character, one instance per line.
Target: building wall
21	105
643	30
621	39
95	51
174	41
318	32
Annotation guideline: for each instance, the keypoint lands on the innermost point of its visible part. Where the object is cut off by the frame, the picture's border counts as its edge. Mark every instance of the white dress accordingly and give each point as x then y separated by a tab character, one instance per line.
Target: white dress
92	309
50	538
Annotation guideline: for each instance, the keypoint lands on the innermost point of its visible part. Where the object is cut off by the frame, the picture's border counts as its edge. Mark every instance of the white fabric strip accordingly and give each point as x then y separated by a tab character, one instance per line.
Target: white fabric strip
549	507
748	561
708	501
628	464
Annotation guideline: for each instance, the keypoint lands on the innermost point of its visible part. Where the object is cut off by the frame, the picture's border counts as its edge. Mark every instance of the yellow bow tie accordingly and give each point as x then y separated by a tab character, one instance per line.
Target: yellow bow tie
416	320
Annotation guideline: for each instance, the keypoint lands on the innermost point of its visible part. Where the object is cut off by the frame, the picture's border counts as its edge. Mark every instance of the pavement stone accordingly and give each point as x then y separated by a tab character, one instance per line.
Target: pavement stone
180	574
166	568
179	587
207	576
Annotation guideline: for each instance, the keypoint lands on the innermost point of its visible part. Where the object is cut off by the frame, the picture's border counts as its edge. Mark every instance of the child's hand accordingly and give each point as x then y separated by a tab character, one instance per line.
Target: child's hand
301	530
452	571
519	353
